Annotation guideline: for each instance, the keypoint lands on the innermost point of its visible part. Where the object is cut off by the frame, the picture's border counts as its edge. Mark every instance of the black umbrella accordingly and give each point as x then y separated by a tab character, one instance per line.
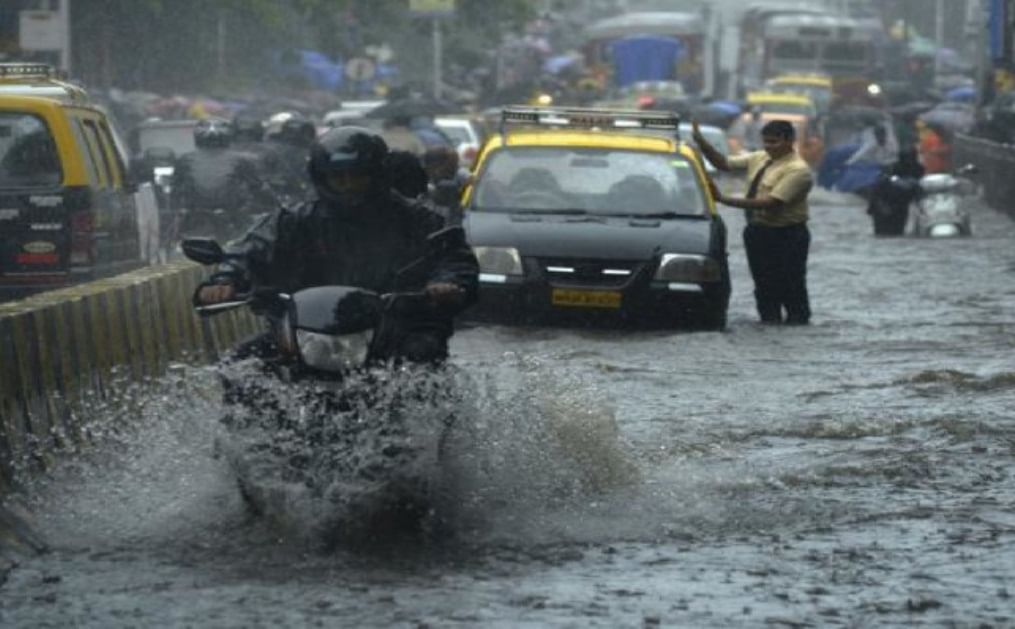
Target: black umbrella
412	108
912	109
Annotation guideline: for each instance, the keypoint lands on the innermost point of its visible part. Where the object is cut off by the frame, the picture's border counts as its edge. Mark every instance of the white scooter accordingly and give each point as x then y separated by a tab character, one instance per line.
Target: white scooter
941	210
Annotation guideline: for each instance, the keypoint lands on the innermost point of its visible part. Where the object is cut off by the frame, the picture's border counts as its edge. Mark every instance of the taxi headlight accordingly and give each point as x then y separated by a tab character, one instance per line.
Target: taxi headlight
334	353
498	260
682	267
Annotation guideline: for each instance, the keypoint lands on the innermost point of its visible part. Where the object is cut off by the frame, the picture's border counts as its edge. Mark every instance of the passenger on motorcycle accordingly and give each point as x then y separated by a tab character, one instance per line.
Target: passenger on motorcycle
216	189
358	232
288	137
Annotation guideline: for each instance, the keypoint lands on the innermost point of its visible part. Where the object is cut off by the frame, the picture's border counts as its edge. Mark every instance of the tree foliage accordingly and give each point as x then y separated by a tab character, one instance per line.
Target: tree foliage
169	45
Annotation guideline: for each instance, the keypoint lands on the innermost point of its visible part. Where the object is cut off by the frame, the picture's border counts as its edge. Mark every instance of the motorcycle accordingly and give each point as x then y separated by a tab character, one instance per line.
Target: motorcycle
940	211
343	421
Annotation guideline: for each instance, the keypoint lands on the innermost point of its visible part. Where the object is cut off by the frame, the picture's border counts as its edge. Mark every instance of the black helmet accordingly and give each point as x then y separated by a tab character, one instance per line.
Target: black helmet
212	133
248	128
353	150
291	128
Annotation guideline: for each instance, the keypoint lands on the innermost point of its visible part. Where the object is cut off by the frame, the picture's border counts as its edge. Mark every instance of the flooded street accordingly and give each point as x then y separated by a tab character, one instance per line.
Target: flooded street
857	472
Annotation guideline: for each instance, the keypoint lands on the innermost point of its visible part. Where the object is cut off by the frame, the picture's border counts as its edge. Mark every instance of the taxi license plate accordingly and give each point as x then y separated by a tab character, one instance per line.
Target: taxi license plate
586	298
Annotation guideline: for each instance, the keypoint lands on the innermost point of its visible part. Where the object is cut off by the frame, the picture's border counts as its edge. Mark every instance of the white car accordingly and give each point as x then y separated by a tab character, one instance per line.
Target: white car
715	136
466	136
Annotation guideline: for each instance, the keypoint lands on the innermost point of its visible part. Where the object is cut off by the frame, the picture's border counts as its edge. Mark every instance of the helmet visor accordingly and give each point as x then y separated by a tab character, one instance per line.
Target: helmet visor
346	183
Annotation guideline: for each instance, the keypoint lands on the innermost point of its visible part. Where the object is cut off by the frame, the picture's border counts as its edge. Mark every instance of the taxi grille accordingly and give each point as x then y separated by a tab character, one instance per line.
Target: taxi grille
602	273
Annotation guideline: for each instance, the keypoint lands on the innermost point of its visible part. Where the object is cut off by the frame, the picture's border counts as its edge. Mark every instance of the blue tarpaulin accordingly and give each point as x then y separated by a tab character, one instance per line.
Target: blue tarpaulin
319	69
645	58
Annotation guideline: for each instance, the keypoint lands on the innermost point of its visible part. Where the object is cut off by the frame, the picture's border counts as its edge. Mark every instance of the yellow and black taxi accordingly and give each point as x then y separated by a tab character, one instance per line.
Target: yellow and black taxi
595	215
38	79
67	213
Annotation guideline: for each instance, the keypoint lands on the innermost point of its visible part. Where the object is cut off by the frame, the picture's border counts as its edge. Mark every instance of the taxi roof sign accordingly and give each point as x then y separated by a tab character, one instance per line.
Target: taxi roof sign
26	70
588	118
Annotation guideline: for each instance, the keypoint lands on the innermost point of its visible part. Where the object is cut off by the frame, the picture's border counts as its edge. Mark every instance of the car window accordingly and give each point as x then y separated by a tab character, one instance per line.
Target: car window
91	168
459	134
28	153
116	167
597	181
105	168
791	109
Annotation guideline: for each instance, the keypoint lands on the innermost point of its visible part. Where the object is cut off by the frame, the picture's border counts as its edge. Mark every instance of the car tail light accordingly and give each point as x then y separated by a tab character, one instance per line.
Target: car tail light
646	102
469	156
82	228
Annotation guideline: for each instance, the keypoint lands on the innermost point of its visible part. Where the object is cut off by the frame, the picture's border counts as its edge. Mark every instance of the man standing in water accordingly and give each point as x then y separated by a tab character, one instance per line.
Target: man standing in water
776	237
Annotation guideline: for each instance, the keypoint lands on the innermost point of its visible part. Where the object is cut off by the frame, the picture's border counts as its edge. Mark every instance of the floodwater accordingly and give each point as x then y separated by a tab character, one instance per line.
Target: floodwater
857	472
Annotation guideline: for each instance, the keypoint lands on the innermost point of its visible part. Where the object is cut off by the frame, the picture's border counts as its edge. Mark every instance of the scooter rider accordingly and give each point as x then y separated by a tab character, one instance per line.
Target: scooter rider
358	232
216	178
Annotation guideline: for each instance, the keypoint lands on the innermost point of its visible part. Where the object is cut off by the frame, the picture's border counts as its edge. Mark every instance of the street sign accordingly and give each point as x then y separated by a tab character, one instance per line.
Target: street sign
431	8
41	30
360	69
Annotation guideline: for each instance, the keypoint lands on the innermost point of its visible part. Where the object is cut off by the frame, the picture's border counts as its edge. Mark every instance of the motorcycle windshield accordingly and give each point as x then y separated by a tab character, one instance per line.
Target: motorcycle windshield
335	309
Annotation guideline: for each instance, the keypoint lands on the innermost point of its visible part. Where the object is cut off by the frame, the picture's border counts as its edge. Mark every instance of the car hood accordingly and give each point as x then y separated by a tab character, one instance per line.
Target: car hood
609	238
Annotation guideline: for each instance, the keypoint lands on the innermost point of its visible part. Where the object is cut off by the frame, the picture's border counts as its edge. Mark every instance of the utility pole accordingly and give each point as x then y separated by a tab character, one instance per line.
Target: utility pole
438	58
220	45
939	34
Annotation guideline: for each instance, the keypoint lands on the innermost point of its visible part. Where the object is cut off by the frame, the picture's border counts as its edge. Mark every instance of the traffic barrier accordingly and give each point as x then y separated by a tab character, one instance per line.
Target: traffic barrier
996	163
62	348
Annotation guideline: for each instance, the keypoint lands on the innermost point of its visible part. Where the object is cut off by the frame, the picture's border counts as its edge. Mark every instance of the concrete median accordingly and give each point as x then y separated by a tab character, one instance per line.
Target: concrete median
62	348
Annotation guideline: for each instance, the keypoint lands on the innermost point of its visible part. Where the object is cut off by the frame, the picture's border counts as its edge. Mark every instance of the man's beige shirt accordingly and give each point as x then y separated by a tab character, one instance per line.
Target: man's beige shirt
788	179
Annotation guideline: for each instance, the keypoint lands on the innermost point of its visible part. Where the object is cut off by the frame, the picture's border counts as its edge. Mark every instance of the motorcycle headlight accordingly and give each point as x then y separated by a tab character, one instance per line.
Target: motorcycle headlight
945	230
334	353
496	264
682	267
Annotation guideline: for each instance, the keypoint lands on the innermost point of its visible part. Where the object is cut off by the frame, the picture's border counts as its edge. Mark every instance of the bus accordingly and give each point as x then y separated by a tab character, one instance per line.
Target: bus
693	65
783	41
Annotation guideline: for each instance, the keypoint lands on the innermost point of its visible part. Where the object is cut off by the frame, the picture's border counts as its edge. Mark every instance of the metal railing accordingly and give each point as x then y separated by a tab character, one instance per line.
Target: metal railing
996	164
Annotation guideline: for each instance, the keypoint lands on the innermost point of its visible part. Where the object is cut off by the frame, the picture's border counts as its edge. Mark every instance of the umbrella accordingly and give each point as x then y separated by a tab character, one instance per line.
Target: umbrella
556	65
950	117
961	94
727	107
914	108
412	108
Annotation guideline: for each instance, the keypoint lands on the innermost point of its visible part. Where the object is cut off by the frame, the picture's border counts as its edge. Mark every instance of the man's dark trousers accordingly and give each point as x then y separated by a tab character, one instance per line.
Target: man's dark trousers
777	257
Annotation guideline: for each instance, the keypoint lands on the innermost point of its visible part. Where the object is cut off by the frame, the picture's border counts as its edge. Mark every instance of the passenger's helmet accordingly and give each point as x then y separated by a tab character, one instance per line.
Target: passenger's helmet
213	133
248	128
290	127
344	154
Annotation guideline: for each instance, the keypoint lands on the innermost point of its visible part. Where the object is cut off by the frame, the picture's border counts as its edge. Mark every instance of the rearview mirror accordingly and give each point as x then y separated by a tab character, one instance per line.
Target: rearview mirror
203	250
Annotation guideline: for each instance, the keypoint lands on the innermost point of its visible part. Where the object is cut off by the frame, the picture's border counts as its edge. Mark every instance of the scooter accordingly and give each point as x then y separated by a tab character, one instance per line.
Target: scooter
940	208
339	415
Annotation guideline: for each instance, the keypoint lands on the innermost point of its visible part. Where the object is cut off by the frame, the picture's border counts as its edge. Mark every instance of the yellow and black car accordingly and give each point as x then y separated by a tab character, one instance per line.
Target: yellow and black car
67	212
581	214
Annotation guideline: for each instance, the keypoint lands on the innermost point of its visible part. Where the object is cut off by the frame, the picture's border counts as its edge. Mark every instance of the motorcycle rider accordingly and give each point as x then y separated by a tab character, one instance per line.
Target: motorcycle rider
216	181
896	189
358	232
288	136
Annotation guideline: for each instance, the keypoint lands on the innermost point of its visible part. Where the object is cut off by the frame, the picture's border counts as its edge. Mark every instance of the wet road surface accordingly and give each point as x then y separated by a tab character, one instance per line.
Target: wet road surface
857	472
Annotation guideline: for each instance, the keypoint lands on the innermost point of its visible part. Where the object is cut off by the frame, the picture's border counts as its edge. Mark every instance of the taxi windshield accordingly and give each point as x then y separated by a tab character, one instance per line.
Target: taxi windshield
792	109
589	181
28	156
